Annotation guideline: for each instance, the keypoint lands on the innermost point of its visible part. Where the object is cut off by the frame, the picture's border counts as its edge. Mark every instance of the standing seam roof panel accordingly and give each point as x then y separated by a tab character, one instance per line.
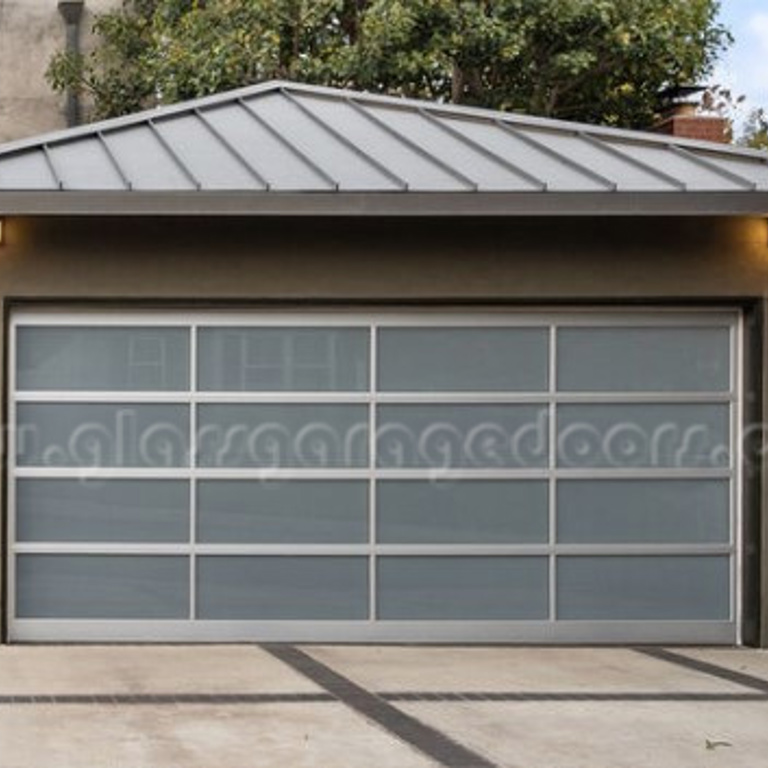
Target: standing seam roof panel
84	164
144	160
416	170
556	175
214	166
624	174
276	164
344	140
347	168
749	169
28	170
688	171
486	174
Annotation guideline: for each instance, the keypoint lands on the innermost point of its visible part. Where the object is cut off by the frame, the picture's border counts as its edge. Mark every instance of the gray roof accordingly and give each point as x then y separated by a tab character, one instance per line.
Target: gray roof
285	148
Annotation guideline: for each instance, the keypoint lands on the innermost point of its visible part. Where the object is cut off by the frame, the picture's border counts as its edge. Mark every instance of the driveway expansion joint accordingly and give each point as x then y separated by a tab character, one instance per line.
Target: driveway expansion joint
427	740
707	668
131	699
419	697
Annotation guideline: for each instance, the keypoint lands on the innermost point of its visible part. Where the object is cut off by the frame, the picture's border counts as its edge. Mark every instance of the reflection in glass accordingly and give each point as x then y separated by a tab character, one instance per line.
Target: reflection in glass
102	587
282	435
462	511
463	359
643	359
462	588
283	359
643	511
674	587
120	359
143	510
647	435
282	512
309	587
472	436
102	435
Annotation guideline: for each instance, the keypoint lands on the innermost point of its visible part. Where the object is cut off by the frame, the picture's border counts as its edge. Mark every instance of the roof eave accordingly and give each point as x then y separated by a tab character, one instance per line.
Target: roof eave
378	204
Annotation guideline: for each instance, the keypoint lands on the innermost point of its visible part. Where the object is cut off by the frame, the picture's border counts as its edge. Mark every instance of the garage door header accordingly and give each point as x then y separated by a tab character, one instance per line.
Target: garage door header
287	149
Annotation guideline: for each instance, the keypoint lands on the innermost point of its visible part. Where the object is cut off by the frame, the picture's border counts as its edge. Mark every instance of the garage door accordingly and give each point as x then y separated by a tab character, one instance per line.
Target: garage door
549	477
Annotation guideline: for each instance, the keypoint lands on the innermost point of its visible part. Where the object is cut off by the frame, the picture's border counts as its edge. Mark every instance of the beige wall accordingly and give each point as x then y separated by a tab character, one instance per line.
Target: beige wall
526	260
261	258
30	32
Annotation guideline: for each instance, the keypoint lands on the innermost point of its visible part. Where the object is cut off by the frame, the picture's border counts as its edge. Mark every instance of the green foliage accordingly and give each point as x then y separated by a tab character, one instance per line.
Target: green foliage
755	133
593	60
722	101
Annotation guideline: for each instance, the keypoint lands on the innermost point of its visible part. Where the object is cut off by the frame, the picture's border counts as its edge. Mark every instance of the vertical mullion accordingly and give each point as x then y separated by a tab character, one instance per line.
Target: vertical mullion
552	495
372	421
736	517
193	474
10	545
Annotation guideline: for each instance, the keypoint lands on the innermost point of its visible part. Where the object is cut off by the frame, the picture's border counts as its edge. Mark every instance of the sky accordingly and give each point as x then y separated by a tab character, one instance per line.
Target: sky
744	68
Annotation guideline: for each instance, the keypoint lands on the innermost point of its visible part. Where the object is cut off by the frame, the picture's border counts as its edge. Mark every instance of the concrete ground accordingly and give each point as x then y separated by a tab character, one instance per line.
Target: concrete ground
244	706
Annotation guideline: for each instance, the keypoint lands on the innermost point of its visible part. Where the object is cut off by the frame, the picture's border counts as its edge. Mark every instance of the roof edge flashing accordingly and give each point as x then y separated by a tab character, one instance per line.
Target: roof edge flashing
382	204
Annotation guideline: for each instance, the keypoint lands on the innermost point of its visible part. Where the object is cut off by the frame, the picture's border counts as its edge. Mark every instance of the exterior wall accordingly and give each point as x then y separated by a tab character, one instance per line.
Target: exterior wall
246	261
514	259
31	31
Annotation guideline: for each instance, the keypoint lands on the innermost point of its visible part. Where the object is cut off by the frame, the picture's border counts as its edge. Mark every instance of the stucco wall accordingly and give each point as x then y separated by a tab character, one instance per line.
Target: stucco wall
261	258
30	32
529	260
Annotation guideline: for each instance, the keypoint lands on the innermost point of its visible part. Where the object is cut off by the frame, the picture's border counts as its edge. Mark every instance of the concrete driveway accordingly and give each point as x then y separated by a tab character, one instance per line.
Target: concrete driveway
243	706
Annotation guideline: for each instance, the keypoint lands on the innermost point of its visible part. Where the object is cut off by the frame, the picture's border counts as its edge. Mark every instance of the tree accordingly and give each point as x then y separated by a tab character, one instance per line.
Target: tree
755	133
592	60
723	102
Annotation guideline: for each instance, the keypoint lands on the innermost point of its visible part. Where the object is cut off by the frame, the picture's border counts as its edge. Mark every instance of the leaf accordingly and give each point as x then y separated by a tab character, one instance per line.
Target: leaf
716	744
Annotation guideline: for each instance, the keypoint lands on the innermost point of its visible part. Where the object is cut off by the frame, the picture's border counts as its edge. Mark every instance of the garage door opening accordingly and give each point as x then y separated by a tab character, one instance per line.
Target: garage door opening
339	476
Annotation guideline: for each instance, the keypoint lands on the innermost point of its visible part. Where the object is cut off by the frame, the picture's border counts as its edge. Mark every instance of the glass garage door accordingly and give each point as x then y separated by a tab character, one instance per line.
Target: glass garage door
562	477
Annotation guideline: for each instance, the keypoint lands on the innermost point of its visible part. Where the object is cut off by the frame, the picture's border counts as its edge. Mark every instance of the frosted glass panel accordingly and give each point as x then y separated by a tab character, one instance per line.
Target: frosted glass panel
102	435
282	587
103	510
306	511
643	511
478	436
668	435
463	359
102	587
643	359
462	588
283	359
644	587
285	435
89	358
466	512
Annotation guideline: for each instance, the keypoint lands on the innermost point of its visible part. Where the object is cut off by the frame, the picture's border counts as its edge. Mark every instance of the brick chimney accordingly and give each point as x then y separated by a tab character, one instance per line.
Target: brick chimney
680	117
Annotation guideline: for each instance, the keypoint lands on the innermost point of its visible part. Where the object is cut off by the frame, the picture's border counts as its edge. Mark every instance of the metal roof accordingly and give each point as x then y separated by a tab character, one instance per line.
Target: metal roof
285	148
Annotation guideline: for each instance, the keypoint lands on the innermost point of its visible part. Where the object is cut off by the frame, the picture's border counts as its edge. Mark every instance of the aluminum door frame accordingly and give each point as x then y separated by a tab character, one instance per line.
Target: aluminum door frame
372	630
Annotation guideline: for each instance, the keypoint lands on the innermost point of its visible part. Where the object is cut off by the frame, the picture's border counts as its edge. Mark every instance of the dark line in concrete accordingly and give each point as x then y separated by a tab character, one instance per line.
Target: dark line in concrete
707	668
390	696
431	742
419	696
168	698
534	696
